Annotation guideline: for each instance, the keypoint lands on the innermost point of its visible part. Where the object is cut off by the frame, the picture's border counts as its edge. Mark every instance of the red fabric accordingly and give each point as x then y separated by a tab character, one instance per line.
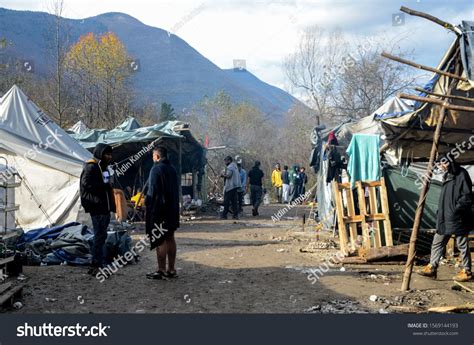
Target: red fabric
332	140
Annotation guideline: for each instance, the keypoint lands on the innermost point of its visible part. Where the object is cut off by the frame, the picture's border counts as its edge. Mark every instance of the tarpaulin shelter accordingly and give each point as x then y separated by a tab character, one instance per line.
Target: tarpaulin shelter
46	158
132	145
410	134
78	128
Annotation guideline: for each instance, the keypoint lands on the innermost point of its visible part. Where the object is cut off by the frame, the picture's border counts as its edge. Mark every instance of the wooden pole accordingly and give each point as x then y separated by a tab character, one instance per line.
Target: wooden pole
423	67
436	101
429	173
431	18
461	98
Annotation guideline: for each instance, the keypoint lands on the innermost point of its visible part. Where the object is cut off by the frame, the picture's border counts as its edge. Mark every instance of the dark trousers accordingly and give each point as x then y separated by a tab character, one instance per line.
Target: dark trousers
231	197
256	196
241	200
100	223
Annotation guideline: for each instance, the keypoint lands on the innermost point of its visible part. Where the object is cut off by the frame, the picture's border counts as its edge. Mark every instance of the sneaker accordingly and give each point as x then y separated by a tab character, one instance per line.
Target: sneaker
254	213
463	276
428	271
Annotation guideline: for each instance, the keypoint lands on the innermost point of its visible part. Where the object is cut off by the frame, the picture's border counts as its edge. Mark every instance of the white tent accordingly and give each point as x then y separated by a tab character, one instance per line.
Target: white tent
48	160
78	128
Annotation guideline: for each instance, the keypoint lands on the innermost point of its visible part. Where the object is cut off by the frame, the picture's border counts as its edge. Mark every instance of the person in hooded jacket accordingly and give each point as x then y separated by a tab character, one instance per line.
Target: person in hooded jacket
453	218
97	200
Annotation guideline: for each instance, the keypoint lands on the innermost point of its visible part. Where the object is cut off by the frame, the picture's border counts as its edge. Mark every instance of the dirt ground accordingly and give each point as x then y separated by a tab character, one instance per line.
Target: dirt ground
252	265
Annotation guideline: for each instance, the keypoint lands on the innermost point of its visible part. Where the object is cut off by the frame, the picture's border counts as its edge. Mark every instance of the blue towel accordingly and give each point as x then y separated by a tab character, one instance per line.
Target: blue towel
364	158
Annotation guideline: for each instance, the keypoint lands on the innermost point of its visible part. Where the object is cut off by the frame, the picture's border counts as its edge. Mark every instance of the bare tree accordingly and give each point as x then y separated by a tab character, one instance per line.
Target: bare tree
57	38
310	68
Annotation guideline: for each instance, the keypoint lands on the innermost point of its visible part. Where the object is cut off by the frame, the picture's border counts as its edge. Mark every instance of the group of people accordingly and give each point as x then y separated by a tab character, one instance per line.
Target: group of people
161	202
288	184
237	182
162	205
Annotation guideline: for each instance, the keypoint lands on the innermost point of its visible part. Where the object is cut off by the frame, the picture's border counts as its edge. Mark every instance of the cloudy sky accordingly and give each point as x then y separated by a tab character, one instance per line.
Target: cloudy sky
263	32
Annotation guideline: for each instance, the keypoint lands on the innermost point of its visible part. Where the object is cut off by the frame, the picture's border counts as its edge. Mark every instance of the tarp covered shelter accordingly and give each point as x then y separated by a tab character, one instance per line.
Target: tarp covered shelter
410	134
47	159
132	146
78	128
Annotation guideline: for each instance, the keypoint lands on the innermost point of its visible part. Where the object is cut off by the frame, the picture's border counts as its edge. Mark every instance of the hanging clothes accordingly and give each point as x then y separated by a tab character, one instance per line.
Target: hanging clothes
364	158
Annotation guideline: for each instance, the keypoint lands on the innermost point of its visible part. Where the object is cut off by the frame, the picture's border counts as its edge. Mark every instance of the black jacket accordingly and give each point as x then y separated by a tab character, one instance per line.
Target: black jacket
454	210
162	198
96	196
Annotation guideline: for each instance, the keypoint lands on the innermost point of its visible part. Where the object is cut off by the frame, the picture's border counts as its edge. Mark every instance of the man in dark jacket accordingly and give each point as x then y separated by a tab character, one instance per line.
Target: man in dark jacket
255	183
162	213
454	213
97	199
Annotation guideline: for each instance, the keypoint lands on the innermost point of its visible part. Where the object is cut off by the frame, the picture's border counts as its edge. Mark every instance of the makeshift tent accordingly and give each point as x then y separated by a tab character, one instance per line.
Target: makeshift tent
132	146
78	128
410	135
46	158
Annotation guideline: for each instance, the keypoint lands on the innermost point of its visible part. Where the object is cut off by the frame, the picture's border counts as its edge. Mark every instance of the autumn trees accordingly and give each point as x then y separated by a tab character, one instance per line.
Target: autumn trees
98	67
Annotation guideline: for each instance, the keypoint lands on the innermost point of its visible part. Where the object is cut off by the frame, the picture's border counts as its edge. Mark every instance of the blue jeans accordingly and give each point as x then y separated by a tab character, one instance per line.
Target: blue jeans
100	223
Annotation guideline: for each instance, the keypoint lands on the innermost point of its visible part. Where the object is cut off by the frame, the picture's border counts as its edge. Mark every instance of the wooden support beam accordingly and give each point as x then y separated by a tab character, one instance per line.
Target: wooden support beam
461	98
431	18
423	67
436	101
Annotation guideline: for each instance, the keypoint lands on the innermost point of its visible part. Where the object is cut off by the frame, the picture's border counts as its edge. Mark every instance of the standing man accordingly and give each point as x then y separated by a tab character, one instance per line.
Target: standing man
243	185
295	180
454	218
255	178
277	182
285	177
162	213
232	186
97	199
303	181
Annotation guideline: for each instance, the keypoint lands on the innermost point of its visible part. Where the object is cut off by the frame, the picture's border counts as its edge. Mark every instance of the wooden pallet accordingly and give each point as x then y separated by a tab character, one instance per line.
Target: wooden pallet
374	212
8	293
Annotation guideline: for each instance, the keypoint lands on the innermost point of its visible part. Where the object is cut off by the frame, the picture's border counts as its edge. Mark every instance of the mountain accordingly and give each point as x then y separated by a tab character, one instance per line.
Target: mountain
170	70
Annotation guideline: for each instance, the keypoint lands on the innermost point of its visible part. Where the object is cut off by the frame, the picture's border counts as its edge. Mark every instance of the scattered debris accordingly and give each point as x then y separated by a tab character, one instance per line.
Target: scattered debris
373	298
343	269
51	299
315	246
17	305
459	286
338	307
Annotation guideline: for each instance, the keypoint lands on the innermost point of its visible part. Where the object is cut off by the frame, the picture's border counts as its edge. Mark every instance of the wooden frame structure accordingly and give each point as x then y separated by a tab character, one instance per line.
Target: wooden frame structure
375	211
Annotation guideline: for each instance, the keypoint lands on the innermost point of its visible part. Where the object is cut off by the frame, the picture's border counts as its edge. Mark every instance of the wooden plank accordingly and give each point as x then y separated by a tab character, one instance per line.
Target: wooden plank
371	184
5	261
340	217
363	213
9	294
4	287
351	213
387	227
343	185
353	219
465	308
464	286
375	217
384	253
373	210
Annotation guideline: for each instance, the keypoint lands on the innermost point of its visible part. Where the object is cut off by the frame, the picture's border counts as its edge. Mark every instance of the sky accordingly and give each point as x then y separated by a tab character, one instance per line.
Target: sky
264	32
